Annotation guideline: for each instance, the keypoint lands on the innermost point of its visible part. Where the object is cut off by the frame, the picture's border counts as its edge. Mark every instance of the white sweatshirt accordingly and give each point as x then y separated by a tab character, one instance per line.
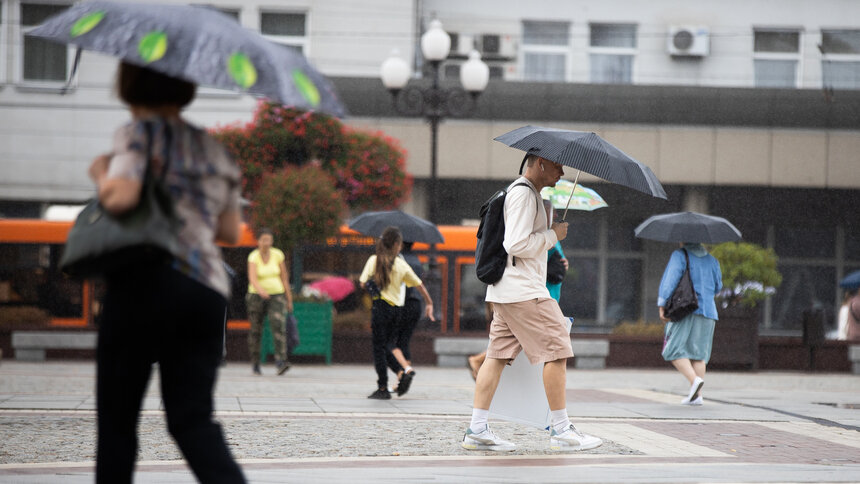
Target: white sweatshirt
527	239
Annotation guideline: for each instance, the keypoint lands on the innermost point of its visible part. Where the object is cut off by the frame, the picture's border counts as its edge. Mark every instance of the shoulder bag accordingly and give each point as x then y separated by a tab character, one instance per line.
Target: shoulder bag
555	270
683	301
100	243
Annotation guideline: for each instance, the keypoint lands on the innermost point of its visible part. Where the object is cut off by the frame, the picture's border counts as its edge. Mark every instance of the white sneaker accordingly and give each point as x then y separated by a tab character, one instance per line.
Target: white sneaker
695	388
697	402
486	440
572	439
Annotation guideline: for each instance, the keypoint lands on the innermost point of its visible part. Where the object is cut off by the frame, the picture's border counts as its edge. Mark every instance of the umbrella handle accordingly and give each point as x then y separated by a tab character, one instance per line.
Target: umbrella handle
571	195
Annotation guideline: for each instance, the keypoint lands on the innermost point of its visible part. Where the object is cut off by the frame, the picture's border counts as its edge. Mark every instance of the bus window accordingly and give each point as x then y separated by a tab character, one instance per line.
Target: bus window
472	306
30	278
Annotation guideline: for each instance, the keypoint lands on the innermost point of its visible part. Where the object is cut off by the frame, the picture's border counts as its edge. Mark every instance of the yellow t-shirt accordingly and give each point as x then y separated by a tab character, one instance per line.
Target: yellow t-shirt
401	273
268	275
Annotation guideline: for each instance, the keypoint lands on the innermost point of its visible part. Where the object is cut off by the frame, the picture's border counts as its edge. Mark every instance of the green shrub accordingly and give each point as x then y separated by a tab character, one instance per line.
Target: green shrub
749	273
299	205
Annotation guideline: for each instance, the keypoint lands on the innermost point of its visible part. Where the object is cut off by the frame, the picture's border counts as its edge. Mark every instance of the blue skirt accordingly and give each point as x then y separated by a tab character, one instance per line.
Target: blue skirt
690	338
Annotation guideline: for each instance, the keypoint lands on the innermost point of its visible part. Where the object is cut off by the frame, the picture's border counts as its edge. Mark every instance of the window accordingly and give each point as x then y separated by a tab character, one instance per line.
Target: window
623	295
42	60
776	57
579	291
474	312
613	48
545	51
32	285
840	63
3	42
288	29
804	287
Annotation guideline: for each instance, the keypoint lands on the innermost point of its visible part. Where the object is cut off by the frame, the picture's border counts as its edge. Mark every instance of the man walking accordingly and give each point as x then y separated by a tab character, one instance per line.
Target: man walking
525	317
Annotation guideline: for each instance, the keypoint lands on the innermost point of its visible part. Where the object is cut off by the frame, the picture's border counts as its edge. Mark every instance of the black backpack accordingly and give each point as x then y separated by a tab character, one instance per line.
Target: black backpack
490	255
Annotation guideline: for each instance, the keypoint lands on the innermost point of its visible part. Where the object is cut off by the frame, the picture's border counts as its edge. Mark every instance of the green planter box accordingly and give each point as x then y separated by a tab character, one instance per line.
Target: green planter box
314	331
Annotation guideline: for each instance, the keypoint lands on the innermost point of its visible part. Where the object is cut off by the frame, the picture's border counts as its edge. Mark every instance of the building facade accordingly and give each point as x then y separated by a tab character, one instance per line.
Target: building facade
747	110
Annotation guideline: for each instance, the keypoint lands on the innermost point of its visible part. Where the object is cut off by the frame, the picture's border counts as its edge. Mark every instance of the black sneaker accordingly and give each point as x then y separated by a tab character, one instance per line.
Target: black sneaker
256	369
380	395
283	366
405	383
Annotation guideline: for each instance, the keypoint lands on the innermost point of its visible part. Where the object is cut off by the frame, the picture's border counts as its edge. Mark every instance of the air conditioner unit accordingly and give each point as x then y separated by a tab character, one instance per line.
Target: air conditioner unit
496	45
691	41
465	44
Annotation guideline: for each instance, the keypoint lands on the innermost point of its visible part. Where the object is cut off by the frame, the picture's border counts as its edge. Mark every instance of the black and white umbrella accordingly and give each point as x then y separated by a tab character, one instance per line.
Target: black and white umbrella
687	227
194	43
414	229
586	152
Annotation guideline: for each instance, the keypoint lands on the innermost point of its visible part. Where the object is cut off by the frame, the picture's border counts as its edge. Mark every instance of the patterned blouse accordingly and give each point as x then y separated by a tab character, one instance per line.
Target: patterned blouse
202	178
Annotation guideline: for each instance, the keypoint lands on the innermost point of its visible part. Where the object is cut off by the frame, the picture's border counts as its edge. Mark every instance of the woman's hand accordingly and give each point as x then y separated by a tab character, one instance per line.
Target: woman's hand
99	167
428	311
663	315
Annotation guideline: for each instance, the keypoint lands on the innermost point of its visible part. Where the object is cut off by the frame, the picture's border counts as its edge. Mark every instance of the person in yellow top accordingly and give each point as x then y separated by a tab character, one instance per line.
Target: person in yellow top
383	276
268	294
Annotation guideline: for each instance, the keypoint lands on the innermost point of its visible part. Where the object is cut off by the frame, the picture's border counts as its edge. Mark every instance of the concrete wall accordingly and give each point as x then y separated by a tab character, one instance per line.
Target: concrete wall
819	158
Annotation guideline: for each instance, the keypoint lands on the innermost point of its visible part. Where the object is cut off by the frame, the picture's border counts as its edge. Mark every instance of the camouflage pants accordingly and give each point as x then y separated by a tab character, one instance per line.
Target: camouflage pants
276	309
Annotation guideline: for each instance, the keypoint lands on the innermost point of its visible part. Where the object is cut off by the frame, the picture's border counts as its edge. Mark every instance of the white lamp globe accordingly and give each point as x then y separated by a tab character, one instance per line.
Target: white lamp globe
435	43
474	73
395	72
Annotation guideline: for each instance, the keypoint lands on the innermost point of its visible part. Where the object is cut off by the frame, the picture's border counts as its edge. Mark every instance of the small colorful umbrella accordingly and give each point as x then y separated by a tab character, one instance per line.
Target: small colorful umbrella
335	287
583	198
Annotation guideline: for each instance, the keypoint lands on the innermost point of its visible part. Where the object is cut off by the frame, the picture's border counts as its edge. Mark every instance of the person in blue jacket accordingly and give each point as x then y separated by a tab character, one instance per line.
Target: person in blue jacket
688	342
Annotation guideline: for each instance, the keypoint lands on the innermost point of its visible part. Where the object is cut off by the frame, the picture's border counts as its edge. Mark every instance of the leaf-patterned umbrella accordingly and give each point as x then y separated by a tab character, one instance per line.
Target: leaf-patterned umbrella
197	44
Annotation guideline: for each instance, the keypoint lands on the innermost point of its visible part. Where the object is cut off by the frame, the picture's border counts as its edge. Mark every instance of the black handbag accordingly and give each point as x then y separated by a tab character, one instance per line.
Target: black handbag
555	270
683	301
100	243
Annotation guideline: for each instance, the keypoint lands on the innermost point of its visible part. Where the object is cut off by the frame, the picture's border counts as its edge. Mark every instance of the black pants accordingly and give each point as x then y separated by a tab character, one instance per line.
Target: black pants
160	315
383	326
410	313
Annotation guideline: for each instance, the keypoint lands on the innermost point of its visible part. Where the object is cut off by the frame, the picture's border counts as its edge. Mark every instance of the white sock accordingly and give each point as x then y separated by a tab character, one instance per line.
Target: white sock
479	420
560	420
407	369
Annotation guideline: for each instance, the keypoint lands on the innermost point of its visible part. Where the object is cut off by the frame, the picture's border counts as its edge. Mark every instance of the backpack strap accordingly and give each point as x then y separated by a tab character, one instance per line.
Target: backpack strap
514	258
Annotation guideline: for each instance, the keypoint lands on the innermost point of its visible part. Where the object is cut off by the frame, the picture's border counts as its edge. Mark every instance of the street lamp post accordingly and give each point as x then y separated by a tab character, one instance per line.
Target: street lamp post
435	104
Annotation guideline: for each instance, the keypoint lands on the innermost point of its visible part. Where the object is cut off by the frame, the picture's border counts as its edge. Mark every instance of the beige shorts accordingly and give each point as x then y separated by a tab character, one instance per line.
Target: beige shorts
536	326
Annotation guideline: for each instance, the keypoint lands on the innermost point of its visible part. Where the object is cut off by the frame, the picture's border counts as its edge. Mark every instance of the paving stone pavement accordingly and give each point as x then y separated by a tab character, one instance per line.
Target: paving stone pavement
316	424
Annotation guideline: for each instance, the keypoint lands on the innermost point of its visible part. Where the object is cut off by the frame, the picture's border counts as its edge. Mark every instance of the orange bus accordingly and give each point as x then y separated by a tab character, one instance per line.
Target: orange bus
32	286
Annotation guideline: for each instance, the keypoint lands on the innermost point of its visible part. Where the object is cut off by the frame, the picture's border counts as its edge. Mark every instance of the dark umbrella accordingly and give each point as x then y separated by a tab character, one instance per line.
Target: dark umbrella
687	227
197	44
851	281
414	229
586	152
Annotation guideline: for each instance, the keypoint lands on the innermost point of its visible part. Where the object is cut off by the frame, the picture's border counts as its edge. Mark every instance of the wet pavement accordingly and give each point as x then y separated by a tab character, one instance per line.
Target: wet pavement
315	424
